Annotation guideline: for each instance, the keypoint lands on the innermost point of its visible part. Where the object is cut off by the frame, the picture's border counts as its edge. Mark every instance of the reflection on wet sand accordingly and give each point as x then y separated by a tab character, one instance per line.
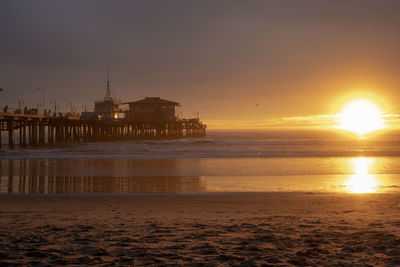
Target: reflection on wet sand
362	181
70	176
65	177
82	184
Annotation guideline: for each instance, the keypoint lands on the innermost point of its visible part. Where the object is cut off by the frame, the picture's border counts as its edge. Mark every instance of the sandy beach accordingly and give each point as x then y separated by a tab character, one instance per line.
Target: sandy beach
201	228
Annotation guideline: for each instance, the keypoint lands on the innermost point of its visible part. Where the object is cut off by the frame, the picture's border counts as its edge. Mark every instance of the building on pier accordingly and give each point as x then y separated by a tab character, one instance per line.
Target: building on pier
151	109
108	108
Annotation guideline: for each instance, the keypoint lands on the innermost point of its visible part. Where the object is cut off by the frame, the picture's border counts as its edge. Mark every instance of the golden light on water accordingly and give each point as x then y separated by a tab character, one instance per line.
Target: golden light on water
361	181
361	116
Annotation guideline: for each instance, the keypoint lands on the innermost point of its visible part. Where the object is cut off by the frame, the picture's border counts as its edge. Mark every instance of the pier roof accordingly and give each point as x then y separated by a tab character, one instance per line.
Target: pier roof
153	100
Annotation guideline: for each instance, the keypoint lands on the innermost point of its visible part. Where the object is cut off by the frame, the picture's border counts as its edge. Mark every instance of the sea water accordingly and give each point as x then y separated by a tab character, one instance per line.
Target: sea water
267	161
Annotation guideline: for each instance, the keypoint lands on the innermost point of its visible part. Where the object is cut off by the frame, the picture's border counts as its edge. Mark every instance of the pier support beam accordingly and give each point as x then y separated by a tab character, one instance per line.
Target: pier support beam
41	132
10	127
24	133
21	126
30	134
49	133
34	140
58	133
66	134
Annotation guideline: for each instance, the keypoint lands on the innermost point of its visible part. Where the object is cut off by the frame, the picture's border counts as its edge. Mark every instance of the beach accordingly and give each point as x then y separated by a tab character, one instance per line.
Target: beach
268	229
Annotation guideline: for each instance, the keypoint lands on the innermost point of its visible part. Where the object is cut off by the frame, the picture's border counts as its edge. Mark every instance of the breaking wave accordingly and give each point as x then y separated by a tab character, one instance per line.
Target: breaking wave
220	145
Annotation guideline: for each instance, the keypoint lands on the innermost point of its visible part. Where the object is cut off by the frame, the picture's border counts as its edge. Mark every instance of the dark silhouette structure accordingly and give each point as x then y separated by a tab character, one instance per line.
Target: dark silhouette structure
151	109
108	108
40	129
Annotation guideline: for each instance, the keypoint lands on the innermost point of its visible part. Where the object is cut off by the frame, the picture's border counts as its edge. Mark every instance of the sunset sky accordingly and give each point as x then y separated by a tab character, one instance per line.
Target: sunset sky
237	63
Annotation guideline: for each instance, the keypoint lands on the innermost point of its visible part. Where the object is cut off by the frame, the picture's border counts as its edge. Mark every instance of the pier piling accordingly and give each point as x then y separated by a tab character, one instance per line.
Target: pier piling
32	129
10	126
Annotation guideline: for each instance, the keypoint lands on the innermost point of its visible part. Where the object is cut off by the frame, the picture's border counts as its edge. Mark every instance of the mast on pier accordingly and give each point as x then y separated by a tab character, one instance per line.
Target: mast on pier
108	91
108	107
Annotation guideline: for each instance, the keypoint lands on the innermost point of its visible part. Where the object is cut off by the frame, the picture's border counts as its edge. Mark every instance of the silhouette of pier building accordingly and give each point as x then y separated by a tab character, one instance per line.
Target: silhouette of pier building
151	109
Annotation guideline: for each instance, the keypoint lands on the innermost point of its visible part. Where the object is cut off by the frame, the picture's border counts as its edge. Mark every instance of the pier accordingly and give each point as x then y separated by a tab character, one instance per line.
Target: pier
145	119
41	130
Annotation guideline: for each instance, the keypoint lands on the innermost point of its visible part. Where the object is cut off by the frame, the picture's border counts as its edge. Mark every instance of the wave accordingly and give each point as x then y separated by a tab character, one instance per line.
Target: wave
215	146
190	154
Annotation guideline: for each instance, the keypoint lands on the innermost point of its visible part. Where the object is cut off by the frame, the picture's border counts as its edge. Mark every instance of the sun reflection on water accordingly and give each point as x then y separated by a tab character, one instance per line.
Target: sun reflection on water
361	181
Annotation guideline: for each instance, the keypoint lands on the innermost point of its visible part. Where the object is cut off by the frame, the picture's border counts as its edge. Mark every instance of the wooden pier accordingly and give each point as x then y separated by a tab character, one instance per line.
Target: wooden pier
40	130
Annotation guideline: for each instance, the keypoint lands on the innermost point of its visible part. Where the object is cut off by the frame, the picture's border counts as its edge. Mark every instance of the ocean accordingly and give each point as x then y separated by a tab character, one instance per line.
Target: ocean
268	160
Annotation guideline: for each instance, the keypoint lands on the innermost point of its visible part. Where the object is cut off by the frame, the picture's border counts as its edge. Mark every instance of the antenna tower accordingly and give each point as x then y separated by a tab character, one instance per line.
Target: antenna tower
108	92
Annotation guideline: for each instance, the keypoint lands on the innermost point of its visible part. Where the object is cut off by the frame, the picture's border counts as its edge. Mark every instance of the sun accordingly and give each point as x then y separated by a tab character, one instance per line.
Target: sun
361	116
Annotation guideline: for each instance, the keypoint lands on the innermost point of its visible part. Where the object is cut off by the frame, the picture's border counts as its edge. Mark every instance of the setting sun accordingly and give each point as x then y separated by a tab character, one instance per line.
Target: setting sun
361	116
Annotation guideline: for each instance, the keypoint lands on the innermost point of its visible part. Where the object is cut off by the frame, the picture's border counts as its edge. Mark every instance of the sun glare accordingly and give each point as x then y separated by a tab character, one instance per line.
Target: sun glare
361	116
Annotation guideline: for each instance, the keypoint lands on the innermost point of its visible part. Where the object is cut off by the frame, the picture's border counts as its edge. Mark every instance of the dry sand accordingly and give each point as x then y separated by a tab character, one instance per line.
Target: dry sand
208	228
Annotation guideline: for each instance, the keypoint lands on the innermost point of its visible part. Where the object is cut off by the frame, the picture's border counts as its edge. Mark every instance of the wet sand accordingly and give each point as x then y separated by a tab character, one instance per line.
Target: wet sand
200	228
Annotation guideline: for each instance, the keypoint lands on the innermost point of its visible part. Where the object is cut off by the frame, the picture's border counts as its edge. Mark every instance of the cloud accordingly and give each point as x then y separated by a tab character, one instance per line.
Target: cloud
297	121
313	121
392	120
